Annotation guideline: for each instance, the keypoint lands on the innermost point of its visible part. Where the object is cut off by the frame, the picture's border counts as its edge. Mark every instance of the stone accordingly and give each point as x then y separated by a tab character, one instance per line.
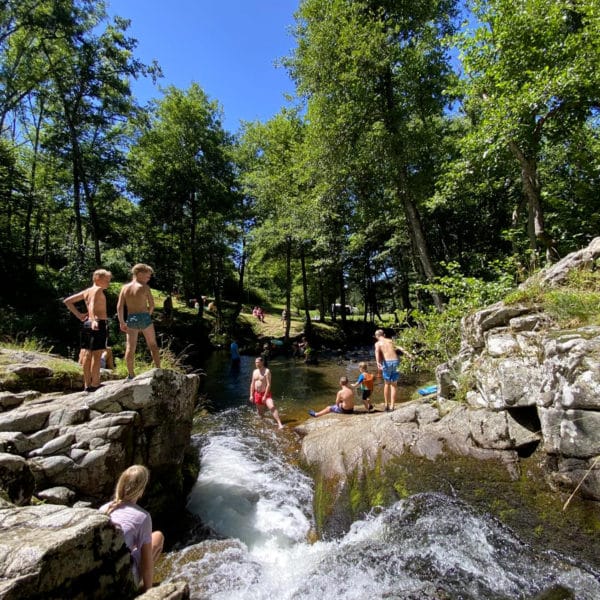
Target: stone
16	479
170	590
57	495
55	552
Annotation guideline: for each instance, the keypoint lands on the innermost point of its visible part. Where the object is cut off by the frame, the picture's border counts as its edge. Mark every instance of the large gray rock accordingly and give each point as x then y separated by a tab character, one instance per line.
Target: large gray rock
71	448
340	445
82	441
515	358
51	552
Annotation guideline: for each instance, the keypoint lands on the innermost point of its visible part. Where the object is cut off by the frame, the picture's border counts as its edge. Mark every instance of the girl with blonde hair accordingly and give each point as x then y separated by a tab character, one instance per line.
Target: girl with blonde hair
144	544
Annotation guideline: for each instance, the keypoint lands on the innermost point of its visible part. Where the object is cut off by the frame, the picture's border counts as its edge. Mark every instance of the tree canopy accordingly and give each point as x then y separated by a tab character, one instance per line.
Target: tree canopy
426	138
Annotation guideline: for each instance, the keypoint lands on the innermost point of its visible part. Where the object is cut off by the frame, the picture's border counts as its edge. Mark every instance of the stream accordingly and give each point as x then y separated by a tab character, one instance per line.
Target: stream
254	496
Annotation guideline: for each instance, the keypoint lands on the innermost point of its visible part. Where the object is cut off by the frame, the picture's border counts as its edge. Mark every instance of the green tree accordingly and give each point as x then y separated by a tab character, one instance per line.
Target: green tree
374	75
90	102
272	175
532	77
181	169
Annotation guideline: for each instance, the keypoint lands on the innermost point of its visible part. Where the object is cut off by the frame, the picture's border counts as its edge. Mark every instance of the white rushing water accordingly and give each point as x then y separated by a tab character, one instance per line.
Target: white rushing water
428	546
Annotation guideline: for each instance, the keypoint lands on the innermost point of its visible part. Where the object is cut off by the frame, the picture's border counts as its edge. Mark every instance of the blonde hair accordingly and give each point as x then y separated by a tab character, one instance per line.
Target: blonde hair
130	487
100	274
141	268
362	366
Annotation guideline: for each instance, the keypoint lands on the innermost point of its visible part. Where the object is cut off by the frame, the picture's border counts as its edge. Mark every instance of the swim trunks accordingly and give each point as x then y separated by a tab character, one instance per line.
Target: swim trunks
366	394
94	339
341	411
139	320
390	371
259	397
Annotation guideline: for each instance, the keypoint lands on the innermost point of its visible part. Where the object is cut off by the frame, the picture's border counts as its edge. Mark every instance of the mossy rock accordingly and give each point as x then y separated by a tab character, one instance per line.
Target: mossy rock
22	370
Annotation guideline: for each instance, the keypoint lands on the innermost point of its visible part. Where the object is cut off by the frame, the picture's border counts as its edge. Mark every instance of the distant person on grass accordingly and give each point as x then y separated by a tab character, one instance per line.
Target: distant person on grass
344	401
260	390
386	355
136	297
94	327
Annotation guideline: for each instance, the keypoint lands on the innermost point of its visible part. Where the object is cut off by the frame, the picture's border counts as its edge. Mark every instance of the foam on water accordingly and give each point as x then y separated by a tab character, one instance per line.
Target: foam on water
428	546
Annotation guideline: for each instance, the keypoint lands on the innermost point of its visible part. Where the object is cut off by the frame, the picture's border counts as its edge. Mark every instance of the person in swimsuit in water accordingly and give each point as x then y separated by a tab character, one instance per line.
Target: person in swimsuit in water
260	390
136	296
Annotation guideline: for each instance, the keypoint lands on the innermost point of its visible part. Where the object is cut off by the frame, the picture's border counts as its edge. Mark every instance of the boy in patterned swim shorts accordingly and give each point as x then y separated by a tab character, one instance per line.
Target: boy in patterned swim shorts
386	356
136	296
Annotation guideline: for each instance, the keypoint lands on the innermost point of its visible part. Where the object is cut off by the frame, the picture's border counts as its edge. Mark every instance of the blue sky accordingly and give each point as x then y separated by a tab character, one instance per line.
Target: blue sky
228	47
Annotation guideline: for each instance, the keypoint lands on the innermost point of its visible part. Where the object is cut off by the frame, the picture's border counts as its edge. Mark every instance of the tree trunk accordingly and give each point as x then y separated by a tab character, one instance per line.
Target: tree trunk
419	243
288	286
241	272
532	189
413	218
308	324
32	191
193	253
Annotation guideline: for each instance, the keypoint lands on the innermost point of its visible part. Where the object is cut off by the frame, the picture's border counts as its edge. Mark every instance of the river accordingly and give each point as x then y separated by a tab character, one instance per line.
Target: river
255	497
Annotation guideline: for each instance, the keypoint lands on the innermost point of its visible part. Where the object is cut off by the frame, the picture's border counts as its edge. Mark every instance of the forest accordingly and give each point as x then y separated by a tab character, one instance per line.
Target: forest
435	152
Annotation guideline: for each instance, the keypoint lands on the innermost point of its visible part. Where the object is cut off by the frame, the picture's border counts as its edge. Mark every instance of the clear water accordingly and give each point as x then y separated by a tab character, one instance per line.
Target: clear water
258	502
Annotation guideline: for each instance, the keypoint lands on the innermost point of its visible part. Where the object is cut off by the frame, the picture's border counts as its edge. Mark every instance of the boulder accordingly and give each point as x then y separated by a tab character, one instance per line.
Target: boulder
341	445
69	450
82	441
16	480
52	552
515	358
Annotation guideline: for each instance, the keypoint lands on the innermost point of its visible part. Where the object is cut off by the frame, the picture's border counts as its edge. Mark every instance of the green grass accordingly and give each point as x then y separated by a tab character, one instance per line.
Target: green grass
573	304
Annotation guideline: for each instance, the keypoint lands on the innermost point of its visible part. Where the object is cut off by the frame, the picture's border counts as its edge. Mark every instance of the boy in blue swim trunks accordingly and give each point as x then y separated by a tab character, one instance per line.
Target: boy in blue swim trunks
344	401
136	296
386	356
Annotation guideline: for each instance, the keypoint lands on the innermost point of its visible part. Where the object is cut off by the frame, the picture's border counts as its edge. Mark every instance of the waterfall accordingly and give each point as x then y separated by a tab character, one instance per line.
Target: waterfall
428	546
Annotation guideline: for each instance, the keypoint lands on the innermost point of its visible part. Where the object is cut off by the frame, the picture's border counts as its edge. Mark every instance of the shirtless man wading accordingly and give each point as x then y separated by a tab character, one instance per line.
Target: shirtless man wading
137	297
260	390
387	362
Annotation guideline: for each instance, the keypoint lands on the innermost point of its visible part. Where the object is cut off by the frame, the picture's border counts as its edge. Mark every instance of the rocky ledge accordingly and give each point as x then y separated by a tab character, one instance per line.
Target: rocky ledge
524	385
67	452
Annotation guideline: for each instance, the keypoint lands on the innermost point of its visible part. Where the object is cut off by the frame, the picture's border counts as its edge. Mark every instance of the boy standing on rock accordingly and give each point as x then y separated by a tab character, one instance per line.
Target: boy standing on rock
94	326
136	296
386	356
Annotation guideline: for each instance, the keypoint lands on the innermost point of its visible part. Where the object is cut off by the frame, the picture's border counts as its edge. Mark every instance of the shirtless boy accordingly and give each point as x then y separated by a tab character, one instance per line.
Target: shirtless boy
94	326
137	297
344	401
387	362
260	390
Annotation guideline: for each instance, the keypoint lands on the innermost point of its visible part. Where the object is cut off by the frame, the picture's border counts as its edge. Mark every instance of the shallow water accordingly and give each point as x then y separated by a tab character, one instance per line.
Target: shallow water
258	502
